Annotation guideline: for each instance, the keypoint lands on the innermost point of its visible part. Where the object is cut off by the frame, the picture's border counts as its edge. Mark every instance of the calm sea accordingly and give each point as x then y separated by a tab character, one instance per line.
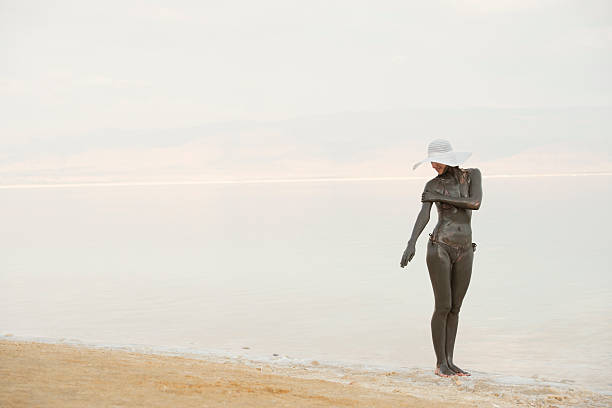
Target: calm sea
311	271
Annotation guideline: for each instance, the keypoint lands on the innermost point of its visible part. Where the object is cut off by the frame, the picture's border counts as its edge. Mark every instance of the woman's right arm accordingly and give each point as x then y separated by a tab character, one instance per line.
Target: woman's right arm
421	222
419	226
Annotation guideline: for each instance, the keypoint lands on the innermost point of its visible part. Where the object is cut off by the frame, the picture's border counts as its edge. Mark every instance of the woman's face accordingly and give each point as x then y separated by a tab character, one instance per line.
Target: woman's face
439	167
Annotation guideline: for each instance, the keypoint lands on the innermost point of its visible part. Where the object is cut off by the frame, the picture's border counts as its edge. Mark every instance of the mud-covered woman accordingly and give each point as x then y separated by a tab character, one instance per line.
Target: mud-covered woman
450	250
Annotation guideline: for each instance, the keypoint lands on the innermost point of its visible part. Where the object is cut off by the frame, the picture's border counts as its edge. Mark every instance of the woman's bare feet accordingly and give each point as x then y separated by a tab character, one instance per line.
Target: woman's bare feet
458	371
443	371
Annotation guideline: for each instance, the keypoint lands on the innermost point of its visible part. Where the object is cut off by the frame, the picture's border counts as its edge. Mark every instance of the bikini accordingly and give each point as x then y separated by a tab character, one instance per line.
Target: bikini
455	252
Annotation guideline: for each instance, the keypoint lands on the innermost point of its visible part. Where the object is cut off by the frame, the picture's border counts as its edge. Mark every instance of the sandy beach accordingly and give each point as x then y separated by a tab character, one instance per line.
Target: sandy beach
63	375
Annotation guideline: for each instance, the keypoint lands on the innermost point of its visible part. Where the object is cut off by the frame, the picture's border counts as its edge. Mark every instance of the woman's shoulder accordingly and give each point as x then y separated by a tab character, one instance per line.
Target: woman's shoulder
472	171
432	184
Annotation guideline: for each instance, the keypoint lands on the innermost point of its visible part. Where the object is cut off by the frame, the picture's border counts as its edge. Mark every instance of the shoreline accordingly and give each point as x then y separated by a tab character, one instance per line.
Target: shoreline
56	373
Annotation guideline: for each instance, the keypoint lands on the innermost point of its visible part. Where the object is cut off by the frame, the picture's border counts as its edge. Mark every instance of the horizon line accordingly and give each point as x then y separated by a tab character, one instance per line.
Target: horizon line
262	181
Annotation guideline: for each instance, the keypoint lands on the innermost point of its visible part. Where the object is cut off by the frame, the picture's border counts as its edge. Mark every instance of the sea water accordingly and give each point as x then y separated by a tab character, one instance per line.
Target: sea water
310	270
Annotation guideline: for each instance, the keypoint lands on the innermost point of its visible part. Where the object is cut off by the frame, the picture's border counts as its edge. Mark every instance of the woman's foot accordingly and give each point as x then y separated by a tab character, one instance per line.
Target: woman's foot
458	371
443	371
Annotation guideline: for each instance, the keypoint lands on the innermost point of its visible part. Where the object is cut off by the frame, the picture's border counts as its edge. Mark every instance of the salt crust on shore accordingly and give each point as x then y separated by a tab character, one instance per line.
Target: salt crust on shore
70	375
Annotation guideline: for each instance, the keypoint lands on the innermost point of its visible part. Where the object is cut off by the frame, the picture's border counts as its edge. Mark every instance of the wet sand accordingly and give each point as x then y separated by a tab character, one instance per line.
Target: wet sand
61	375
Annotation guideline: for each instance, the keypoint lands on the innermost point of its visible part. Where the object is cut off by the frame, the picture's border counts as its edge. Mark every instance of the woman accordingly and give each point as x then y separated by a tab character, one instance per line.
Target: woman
450	250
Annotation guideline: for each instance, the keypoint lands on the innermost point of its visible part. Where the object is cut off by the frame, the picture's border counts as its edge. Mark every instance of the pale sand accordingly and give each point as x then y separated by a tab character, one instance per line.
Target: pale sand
60	375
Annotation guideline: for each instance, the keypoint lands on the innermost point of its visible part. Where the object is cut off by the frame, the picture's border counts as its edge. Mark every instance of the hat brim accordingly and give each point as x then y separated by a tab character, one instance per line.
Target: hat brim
453	159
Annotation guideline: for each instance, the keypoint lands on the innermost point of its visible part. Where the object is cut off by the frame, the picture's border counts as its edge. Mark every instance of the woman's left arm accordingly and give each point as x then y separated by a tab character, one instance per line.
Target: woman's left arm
472	202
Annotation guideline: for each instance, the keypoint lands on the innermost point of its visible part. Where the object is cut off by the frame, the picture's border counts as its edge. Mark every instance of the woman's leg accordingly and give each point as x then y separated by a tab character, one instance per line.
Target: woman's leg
460	280
439	265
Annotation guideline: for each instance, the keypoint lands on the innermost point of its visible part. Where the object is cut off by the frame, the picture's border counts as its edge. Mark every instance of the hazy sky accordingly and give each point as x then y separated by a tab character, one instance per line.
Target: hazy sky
80	71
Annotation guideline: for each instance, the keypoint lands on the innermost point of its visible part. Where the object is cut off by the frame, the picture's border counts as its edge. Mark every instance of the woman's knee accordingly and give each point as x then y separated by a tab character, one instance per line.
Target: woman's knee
443	309
455	309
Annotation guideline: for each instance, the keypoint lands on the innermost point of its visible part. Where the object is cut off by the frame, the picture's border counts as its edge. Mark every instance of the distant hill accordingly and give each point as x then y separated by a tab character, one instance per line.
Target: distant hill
352	144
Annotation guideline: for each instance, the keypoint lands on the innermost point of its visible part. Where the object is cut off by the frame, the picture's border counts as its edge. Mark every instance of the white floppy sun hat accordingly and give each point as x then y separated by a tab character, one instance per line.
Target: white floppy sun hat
441	151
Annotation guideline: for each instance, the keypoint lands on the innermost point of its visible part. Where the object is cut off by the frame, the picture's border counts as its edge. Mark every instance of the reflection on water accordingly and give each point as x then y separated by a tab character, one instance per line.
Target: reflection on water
311	270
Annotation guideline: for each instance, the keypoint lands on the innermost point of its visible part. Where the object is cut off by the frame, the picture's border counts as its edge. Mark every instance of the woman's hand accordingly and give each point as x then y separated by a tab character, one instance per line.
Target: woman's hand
408	254
430	196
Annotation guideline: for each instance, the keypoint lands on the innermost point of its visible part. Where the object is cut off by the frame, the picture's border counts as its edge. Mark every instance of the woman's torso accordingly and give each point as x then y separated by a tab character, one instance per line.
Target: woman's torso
454	224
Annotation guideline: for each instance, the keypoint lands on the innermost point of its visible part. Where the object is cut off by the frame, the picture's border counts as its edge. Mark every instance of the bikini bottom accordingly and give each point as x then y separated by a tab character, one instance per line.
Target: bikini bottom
455	252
